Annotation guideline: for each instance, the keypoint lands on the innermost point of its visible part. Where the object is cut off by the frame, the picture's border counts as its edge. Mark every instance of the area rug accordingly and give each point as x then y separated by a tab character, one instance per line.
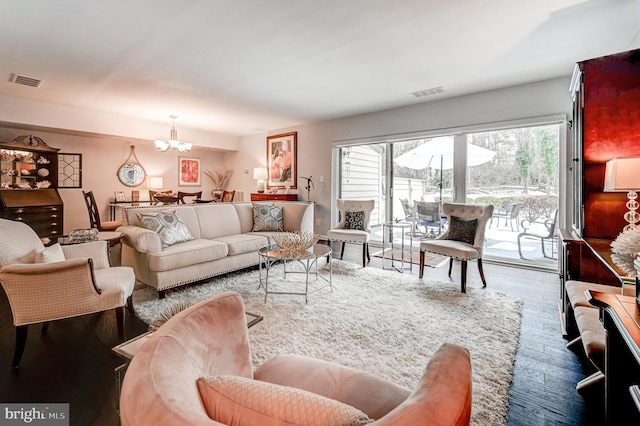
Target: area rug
380	321
430	259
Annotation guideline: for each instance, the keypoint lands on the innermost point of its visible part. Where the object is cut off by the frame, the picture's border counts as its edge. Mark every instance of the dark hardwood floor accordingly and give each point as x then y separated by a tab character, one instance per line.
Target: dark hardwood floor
74	363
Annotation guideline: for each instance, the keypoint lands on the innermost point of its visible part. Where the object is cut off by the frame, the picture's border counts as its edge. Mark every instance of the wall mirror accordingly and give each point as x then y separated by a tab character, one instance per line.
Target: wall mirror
131	172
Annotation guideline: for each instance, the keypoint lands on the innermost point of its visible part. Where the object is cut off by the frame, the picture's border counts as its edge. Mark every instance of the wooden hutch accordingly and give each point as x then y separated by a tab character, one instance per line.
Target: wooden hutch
29	181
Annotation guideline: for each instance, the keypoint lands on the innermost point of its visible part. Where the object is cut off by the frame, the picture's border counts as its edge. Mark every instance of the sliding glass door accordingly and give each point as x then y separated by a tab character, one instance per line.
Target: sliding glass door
515	169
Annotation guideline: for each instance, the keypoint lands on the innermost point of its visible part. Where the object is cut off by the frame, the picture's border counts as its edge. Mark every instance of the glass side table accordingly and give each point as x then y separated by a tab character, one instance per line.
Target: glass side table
387	230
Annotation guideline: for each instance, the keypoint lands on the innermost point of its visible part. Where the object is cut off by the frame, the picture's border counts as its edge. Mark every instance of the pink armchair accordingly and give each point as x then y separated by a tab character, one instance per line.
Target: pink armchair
166	382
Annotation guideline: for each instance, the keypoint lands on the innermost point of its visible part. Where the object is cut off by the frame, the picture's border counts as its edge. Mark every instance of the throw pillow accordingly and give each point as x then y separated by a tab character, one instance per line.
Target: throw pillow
52	253
354	220
461	229
230	399
168	225
267	217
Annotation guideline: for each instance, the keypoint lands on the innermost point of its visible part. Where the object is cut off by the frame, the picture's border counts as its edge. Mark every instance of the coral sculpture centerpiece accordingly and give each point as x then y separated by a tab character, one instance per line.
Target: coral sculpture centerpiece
295	242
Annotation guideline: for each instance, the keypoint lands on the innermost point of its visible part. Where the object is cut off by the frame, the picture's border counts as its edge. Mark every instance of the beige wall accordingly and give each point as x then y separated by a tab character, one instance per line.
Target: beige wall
102	155
315	140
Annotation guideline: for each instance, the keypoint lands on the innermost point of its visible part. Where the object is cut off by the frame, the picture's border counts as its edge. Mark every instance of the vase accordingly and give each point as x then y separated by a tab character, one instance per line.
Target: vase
216	194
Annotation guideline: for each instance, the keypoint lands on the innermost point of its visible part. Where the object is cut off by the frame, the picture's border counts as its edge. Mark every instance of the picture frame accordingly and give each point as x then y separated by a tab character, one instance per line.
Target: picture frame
119	196
282	164
189	171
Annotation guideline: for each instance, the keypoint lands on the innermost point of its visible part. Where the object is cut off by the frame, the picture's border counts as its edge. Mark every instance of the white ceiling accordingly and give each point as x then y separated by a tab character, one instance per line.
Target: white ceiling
241	67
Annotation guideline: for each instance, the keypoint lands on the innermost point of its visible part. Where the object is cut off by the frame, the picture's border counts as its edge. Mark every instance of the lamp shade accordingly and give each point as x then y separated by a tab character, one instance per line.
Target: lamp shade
622	174
155	182
260	173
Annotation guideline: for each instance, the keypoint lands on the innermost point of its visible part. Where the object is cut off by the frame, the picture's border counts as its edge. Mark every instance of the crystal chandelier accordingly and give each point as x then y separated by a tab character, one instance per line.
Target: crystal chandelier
173	141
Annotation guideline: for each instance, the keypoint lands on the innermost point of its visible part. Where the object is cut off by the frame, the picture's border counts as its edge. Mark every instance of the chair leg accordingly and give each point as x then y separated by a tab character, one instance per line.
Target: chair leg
45	327
130	305
484	282
450	265
365	254
21	340
342	251
421	267
120	322
463	276
520	248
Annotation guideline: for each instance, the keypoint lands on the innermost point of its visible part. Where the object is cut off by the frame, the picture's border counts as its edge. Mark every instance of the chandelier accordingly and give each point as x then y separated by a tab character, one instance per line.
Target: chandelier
173	141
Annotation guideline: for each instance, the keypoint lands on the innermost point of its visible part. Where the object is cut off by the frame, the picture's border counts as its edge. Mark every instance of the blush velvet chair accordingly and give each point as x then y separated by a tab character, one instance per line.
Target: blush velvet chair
169	380
57	282
354	225
463	239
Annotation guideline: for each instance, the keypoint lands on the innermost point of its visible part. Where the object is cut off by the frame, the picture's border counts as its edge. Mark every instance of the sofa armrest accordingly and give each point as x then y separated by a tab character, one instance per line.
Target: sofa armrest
364	391
297	216
141	239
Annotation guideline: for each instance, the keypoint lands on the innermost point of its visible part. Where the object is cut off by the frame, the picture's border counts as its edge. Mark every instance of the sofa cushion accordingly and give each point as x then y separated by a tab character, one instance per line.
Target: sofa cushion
168	225
186	254
267	218
52	253
233	399
217	220
462	229
244	243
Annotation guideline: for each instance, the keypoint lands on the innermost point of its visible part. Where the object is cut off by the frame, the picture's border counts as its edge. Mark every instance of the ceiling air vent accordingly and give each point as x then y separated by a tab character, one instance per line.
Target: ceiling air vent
26	81
428	92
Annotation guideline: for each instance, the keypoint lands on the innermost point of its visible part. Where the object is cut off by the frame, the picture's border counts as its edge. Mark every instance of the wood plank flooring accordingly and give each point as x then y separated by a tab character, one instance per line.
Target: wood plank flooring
74	363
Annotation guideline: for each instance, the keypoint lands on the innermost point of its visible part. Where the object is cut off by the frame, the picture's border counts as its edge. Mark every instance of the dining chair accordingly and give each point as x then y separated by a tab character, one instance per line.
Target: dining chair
181	195
227	196
94	215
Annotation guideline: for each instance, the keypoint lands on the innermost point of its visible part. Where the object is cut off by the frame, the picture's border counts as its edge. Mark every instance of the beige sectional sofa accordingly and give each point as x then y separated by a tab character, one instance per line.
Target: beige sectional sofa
223	240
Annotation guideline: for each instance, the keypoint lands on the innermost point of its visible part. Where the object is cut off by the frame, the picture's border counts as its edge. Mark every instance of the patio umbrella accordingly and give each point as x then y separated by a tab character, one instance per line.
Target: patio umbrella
438	154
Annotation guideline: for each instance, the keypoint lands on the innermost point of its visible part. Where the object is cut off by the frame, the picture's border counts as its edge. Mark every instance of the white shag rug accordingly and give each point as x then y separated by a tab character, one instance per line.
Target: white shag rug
381	321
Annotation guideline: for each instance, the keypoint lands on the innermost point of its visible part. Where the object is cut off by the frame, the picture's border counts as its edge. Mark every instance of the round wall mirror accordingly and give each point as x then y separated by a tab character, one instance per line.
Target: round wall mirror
131	173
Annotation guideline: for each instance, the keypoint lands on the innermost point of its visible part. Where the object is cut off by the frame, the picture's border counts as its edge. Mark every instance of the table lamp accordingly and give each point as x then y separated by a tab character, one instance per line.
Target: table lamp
260	174
623	174
154	182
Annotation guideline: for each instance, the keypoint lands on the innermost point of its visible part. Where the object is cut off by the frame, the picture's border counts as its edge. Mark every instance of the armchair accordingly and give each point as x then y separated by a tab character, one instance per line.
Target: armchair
463	240
169	380
57	282
353	226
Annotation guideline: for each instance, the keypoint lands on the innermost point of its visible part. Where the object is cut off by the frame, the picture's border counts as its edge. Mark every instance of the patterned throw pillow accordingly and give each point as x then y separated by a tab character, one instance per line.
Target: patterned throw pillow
168	225
267	217
461	229
229	398
354	220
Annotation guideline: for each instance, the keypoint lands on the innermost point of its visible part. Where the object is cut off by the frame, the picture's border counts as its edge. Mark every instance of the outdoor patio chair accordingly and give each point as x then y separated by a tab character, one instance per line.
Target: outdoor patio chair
548	235
429	216
509	212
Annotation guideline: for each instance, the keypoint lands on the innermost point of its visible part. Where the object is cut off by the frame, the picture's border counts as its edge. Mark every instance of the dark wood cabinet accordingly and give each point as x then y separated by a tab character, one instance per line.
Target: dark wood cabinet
29	181
42	209
271	197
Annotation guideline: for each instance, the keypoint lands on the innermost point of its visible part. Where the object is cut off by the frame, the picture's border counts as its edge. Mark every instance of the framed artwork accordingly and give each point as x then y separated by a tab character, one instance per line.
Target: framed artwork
189	171
282	162
69	170
119	196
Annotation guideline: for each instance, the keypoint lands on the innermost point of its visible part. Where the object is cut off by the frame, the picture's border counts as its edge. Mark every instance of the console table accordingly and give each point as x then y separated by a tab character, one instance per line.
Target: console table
263	196
621	318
